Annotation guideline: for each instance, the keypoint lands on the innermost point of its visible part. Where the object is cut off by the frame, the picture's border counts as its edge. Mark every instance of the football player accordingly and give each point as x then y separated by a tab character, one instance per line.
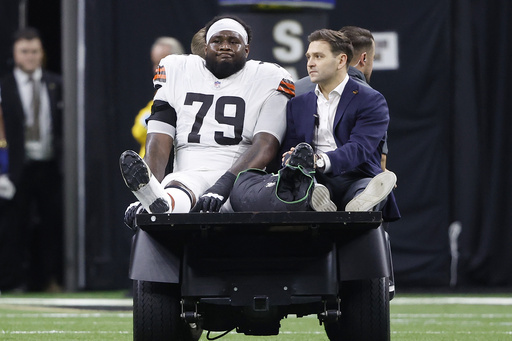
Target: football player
222	114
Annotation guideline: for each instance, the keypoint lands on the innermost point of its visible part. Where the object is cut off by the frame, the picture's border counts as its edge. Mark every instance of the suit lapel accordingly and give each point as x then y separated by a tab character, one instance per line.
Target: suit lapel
351	90
50	87
309	119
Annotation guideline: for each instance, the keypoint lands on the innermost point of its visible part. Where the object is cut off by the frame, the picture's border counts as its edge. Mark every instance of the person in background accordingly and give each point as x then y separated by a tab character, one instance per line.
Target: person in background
198	43
7	189
31	100
162	47
4	152
7	192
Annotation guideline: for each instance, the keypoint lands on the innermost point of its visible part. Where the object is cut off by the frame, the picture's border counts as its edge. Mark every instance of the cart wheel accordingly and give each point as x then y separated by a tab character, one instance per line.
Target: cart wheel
364	312
156	313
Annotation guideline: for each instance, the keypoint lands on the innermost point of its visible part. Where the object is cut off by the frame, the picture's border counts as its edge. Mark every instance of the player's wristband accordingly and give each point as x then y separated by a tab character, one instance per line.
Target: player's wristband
227	180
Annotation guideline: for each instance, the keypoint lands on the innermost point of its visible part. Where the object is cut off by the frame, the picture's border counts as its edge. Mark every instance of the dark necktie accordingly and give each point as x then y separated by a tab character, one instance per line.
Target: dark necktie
33	130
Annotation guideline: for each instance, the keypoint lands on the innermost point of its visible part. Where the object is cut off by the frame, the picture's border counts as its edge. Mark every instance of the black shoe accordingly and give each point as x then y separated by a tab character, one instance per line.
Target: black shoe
137	176
304	156
135	171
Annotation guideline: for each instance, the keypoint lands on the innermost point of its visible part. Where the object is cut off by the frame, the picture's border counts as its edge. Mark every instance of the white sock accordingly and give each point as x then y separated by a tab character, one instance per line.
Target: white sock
181	200
153	190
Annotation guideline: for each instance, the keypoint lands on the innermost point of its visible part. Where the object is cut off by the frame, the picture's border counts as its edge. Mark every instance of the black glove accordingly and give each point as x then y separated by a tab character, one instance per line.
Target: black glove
214	197
131	211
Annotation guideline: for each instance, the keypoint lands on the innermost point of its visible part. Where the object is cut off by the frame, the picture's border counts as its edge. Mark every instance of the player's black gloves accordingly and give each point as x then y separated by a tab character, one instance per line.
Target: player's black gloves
130	213
214	197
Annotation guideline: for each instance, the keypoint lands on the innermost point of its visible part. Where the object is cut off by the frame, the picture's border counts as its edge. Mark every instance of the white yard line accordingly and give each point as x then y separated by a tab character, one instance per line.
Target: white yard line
452	300
69	302
34	332
435	332
66	315
128	302
450	315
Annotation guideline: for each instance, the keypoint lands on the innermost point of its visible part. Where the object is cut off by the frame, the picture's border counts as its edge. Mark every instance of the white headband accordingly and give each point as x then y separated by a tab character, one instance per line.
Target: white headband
227	24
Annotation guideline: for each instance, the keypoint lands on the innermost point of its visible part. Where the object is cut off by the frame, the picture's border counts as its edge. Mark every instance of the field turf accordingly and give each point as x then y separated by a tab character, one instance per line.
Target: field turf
107	316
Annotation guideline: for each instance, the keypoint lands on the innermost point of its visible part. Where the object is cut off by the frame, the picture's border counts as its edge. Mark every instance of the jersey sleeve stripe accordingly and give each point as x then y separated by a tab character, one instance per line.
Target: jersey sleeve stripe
287	87
161	128
163	112
160	74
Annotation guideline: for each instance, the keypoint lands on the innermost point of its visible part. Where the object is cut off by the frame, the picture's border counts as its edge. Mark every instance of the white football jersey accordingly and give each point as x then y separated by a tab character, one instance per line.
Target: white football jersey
216	119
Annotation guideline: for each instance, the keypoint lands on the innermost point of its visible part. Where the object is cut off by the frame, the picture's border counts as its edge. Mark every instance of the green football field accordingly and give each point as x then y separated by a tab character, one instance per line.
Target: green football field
107	316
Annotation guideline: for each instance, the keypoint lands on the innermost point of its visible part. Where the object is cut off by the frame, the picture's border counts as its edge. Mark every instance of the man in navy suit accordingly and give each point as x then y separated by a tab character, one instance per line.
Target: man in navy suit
344	122
360	68
32	239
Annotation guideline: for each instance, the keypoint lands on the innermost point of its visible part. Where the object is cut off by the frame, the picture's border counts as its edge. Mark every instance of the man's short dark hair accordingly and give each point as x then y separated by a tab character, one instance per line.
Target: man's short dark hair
229	16
197	43
361	38
338	41
27	33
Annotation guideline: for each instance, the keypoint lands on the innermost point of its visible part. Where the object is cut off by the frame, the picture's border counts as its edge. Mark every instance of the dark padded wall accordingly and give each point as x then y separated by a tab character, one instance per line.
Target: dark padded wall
481	157
8	24
418	95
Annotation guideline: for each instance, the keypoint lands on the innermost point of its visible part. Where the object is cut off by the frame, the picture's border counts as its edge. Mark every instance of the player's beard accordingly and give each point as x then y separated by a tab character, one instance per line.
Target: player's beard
223	69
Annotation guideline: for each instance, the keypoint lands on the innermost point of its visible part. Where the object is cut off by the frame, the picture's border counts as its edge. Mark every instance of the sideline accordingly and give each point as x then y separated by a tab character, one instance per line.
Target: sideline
128	302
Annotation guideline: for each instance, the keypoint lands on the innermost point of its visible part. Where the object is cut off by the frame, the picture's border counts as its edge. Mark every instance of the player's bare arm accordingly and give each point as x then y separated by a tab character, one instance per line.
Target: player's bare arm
264	148
158	149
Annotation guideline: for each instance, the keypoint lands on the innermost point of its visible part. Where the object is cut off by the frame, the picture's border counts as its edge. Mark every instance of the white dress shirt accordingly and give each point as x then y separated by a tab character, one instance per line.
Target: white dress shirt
36	150
324	131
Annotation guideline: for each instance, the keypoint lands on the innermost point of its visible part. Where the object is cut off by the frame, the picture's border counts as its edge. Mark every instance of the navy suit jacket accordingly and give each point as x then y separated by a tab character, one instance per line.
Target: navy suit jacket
14	120
361	120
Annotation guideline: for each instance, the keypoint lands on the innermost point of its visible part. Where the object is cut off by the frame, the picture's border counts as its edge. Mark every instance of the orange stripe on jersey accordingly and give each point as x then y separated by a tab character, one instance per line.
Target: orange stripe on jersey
160	78
287	87
160	74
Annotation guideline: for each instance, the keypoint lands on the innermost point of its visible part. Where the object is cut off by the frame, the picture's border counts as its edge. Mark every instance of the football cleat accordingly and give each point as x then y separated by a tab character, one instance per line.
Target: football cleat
138	178
303	155
135	171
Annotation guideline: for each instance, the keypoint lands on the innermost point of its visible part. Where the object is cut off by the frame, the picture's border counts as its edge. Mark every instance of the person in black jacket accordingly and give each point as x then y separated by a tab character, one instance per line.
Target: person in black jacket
31	100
